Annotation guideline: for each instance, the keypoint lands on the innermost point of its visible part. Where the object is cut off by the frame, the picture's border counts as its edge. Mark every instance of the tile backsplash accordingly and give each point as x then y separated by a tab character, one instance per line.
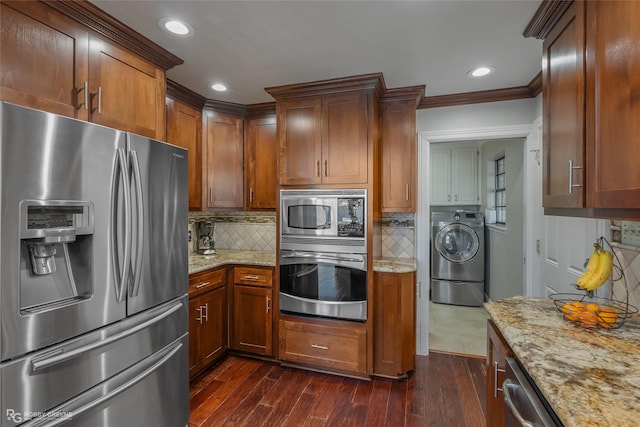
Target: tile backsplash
254	231
628	258
257	231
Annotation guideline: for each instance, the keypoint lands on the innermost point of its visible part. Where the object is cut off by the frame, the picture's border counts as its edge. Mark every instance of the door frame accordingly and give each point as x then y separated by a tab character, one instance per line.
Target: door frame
423	246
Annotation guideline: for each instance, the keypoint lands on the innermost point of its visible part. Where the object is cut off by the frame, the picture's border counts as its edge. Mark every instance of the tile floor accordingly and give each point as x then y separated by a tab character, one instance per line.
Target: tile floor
458	329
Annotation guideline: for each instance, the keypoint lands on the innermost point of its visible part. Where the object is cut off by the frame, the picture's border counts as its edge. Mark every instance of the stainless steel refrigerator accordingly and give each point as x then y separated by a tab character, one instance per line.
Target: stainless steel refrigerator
93	276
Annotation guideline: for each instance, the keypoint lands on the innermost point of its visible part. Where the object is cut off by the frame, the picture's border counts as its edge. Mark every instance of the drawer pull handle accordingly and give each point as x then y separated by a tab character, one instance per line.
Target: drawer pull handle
321	347
495	378
251	277
202	285
268	304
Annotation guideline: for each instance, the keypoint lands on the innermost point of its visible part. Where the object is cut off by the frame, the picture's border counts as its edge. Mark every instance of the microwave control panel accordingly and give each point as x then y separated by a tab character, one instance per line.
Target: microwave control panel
351	217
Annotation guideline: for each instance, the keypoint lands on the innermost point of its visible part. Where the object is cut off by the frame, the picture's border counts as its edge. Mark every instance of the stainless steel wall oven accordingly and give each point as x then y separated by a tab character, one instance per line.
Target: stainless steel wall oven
323	253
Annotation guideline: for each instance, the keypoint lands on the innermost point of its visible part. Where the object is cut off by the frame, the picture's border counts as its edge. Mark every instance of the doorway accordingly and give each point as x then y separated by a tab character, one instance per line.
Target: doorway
423	232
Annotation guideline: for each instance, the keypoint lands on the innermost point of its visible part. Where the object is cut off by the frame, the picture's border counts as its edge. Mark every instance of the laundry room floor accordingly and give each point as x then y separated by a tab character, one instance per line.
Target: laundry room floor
458	329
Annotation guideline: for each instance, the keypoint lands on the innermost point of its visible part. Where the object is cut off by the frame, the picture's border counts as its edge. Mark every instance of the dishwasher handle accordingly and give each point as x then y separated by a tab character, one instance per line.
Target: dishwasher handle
508	387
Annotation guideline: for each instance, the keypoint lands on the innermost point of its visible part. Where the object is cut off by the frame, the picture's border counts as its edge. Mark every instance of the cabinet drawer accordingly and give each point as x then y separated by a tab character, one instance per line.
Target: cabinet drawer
206	281
253	276
342	348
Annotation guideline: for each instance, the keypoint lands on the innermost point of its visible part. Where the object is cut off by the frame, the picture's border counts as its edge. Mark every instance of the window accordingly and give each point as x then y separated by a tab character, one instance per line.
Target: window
500	191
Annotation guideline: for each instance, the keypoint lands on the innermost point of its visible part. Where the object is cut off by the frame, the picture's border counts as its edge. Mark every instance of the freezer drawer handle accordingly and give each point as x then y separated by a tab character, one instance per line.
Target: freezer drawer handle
63	357
76	412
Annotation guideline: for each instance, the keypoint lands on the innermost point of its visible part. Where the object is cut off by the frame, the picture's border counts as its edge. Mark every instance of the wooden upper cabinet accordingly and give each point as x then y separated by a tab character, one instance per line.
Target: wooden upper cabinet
71	58
261	157
613	104
184	129
126	92
300	139
399	156
43	59
223	180
345	139
328	131
563	77
324	140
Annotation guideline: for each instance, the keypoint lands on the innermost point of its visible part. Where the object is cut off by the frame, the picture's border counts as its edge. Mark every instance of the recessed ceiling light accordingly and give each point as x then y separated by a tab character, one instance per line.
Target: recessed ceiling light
481	71
176	26
219	87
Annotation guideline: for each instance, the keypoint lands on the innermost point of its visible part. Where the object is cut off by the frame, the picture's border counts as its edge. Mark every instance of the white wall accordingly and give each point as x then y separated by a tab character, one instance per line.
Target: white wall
504	113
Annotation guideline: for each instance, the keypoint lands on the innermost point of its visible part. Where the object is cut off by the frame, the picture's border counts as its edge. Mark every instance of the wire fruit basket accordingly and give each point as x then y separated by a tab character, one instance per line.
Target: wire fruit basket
590	311
593	312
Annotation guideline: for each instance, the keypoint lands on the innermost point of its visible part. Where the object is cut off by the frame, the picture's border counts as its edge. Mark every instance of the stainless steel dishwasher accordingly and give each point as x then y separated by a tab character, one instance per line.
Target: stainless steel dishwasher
523	406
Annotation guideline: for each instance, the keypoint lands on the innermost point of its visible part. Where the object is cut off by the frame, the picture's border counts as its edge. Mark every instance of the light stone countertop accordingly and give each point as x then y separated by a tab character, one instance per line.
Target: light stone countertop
590	377
199	263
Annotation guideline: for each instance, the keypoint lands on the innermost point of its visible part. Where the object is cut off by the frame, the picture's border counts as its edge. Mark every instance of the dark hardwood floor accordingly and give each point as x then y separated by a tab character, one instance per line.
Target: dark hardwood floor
445	390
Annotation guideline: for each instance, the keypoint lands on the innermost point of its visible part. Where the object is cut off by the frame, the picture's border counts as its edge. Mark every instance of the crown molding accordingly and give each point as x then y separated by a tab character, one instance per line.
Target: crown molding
374	82
225	107
107	26
547	15
177	91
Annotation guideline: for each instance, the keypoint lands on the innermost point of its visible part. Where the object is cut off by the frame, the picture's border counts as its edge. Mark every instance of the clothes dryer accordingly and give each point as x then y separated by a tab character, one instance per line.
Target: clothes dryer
457	258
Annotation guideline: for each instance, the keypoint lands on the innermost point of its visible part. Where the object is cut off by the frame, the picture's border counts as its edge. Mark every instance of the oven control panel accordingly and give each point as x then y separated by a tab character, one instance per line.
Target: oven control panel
351	222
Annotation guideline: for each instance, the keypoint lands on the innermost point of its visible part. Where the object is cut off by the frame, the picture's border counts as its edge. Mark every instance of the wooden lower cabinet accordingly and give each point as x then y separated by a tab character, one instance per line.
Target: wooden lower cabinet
394	320
497	352
337	347
253	310
207	319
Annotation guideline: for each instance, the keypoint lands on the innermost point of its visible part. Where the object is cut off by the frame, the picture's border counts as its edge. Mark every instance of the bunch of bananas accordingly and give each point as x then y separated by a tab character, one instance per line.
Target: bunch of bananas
598	269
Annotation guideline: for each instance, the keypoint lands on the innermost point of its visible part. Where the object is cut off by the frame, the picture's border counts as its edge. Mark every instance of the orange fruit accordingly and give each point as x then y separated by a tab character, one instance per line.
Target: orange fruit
593	307
607	318
570	312
588	318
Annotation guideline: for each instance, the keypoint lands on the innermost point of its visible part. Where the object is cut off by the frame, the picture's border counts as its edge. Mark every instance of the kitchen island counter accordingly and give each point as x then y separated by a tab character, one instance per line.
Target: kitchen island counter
590	377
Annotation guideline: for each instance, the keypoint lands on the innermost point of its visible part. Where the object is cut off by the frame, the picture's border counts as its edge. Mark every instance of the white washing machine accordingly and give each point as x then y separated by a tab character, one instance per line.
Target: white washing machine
457	258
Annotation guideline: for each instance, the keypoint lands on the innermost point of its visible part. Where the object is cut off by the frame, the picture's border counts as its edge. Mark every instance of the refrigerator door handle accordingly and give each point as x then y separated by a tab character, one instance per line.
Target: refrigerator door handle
59	357
122	275
137	264
162	357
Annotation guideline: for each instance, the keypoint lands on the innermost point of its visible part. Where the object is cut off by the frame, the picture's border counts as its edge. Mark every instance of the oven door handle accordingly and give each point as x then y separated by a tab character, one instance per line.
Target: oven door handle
321	256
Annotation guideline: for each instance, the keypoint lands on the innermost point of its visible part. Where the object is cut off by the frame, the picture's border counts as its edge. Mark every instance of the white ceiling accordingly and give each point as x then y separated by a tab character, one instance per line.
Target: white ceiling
250	45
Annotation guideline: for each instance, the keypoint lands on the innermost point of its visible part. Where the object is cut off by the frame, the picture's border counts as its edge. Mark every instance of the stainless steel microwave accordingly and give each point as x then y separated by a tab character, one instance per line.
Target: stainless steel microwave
323	220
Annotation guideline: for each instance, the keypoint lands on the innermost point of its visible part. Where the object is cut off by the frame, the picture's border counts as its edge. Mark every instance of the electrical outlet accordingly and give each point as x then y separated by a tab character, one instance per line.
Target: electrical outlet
630	233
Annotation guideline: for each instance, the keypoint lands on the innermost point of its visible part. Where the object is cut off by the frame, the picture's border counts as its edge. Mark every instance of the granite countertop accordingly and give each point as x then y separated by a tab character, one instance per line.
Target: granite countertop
394	265
199	263
590	377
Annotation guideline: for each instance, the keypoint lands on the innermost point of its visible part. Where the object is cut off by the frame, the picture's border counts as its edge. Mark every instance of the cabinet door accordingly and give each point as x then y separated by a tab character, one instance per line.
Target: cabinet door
261	163
464	176
127	92
223	162
399	156
344	139
195	324
299	140
440	177
613	91
563	82
394	324
184	129
252	327
497	352
43	59
213	331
